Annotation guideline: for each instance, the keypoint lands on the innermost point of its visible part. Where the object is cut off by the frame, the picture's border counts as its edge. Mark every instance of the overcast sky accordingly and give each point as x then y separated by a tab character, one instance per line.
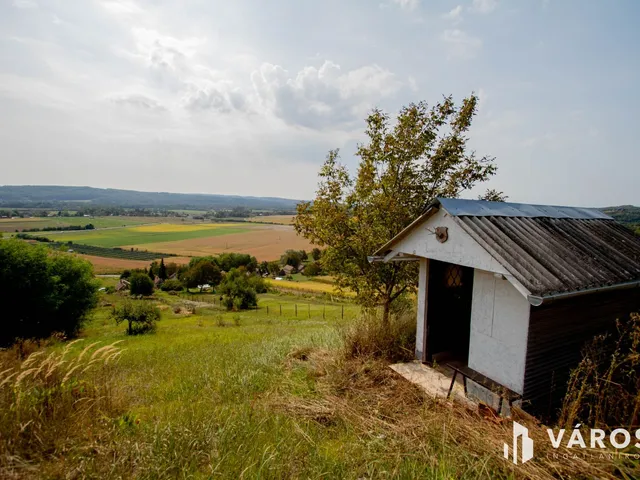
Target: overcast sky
246	97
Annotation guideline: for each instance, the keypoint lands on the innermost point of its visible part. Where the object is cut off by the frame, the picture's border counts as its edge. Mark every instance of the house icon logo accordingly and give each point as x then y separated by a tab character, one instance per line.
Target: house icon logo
526	450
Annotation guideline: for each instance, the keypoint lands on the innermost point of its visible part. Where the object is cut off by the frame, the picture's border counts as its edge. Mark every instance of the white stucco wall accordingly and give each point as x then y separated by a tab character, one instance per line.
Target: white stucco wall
499	327
423	285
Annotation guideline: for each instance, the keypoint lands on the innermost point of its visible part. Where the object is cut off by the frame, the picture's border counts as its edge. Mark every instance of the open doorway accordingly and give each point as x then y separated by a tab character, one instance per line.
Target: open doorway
448	312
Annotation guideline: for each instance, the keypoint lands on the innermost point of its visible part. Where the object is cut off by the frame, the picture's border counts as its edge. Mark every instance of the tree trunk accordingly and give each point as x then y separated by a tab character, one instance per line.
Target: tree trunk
130	328
385	312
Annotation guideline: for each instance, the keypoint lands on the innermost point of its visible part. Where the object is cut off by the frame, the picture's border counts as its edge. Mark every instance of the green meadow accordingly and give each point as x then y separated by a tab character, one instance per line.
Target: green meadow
118	237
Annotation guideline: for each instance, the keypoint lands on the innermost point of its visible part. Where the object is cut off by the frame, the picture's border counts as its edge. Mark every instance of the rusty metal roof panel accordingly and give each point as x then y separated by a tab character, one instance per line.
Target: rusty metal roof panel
551	254
483	208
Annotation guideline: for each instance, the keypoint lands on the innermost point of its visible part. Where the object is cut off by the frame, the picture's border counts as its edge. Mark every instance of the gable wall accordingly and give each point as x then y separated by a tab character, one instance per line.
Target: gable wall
459	248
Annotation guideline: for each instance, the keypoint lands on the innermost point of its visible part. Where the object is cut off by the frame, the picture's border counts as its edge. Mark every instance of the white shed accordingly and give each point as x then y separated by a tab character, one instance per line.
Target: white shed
514	291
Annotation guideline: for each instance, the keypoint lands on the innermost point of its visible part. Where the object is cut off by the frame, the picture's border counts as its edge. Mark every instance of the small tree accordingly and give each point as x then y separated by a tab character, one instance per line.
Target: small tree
140	284
141	316
274	268
313	269
238	291
316	253
162	271
202	272
293	258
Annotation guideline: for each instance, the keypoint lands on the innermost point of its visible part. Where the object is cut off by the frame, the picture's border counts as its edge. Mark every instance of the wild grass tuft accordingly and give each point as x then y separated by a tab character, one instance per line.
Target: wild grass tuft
50	404
368	336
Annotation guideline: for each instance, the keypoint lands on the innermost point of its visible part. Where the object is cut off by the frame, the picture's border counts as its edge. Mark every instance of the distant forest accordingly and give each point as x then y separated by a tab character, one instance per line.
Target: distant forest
60	197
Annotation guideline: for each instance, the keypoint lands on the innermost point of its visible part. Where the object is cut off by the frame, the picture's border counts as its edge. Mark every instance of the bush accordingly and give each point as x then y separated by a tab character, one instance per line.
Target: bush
141	316
238	291
48	291
367	336
171	285
603	389
313	269
140	284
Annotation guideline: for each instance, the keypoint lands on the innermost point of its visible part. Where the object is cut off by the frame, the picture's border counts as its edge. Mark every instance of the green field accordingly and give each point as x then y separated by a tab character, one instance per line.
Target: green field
11	224
118	237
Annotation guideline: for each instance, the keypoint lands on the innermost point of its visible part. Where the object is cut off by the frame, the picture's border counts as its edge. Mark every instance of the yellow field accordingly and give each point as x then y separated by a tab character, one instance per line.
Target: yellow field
170	228
306	286
280	219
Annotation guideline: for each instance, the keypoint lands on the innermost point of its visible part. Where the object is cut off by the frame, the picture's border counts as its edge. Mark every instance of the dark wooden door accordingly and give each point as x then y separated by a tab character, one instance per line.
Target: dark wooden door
449	310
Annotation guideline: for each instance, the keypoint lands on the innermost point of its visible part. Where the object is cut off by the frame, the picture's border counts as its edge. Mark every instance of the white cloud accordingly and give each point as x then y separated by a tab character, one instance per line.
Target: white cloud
323	97
484	6
454	15
138	101
407	4
460	44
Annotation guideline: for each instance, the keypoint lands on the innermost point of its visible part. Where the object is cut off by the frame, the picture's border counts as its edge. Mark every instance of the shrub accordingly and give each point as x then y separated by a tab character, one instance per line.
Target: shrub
48	291
603	389
313	269
368	336
171	285
141	316
237	290
140	284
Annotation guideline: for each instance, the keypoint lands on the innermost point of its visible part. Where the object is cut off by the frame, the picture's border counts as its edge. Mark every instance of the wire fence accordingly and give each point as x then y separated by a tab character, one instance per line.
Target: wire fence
297	310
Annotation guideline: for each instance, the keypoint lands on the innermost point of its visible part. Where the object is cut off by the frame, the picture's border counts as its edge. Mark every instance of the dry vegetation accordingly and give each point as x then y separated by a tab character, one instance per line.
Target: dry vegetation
262	241
54	405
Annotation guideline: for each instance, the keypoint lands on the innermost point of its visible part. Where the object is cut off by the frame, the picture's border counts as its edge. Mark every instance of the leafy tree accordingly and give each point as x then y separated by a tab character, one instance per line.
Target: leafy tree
203	271
292	257
313	269
238	290
493	196
316	253
403	167
140	315
263	268
274	267
140	284
46	291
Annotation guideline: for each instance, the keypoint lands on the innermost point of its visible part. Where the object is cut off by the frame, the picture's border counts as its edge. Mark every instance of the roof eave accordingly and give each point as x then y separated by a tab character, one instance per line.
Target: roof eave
537	300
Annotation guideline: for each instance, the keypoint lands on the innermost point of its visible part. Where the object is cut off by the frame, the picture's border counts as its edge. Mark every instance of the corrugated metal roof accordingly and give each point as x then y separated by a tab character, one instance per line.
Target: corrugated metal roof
548	249
549	255
482	208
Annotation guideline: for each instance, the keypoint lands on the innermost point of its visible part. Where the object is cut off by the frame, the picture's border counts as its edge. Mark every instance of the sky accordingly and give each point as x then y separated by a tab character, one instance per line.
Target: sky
247	97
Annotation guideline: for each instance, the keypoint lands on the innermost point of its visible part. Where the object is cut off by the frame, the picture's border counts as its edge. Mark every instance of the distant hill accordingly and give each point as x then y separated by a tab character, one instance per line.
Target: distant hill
627	214
41	196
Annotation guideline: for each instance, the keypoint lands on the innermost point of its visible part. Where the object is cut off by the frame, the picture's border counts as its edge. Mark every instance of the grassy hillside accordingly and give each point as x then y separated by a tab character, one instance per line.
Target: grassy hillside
626	214
257	394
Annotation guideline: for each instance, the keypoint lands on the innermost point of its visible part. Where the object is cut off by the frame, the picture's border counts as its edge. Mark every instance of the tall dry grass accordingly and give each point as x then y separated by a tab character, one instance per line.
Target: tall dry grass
53	403
604	390
368	337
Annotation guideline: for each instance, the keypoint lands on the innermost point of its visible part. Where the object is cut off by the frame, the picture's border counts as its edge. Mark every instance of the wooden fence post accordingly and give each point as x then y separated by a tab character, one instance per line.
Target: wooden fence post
296	309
